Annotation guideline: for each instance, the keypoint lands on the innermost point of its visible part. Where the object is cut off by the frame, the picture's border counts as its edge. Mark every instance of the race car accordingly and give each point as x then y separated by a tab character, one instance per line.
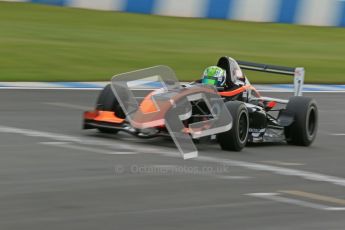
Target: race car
255	119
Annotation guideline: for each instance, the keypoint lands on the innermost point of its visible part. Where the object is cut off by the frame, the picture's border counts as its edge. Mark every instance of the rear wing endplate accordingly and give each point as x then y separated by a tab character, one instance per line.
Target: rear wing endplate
298	73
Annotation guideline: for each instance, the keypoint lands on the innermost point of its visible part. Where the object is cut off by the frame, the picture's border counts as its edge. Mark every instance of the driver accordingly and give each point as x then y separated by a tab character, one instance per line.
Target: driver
214	75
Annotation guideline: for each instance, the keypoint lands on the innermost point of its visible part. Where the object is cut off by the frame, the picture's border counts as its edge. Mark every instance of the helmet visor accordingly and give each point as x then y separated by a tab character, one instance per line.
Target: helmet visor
209	81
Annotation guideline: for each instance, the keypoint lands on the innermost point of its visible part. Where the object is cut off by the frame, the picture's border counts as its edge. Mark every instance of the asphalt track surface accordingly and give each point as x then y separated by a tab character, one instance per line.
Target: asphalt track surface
53	175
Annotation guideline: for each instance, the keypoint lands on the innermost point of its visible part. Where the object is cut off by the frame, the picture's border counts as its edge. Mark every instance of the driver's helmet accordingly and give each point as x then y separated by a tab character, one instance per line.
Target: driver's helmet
214	75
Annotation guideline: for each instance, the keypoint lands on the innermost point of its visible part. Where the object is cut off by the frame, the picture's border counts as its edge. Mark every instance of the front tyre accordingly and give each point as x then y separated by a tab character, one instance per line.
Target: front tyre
108	102
303	130
236	138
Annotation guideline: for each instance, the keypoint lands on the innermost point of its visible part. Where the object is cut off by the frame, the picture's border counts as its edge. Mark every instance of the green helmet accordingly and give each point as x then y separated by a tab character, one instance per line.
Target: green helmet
214	75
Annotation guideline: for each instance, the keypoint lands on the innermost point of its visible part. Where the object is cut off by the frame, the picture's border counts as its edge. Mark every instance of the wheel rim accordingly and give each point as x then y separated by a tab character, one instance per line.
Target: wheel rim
311	123
243	127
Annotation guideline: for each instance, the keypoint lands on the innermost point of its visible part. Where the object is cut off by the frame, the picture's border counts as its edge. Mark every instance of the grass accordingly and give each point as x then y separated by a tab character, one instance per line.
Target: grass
46	43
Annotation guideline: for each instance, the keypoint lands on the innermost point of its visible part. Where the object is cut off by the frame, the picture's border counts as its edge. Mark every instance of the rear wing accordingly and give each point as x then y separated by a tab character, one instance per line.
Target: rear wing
297	73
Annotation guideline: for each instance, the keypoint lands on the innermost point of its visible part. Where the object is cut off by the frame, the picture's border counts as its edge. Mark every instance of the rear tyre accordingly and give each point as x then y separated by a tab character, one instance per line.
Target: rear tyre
108	102
303	130
236	138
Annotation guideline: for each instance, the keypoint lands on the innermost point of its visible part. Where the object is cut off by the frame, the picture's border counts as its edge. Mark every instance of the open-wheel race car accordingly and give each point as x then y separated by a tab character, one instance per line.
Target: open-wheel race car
255	118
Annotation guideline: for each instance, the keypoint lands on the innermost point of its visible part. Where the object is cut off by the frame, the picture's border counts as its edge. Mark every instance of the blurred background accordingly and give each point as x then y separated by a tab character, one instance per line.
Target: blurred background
84	40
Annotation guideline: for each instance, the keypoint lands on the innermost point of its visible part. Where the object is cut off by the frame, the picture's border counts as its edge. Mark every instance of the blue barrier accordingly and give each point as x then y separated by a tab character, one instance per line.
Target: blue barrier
51	2
307	12
219	9
142	6
342	17
287	11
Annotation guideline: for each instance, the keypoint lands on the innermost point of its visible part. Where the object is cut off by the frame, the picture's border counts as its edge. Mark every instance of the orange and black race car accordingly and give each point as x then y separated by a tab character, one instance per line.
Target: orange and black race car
255	118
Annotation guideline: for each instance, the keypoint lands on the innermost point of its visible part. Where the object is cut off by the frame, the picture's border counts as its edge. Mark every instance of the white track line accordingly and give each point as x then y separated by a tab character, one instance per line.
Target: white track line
315	196
62	138
283	163
88	149
307	175
234	177
276	197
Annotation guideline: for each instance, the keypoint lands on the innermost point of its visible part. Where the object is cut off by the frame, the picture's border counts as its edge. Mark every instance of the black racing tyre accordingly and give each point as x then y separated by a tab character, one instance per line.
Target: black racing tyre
236	138
108	102
107	130
304	127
